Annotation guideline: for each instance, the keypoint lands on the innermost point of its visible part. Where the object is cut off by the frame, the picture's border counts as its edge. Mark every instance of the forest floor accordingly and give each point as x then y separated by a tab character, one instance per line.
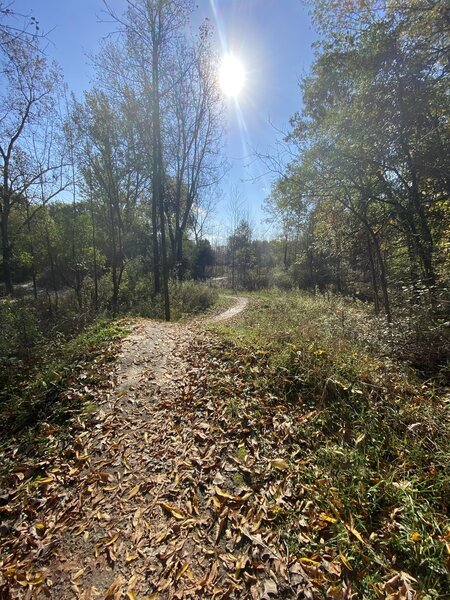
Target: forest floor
199	472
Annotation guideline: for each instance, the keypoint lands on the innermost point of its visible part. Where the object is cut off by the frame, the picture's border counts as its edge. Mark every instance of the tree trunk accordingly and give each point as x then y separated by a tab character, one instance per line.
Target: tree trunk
52	270
158	182
374	277
33	266
94	247
383	278
6	252
179	254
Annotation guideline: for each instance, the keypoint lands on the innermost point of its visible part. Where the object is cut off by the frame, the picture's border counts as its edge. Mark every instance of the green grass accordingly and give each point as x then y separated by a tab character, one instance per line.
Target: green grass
372	436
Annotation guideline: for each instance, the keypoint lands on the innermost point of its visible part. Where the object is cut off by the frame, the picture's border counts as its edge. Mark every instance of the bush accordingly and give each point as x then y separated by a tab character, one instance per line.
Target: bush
282	280
190	297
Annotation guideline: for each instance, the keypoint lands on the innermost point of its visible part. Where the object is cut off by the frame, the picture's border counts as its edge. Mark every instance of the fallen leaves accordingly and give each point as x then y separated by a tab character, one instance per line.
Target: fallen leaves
280	464
173	510
169	495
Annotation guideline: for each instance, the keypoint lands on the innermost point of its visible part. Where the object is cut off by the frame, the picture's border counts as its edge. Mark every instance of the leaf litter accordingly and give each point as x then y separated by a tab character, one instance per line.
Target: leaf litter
166	494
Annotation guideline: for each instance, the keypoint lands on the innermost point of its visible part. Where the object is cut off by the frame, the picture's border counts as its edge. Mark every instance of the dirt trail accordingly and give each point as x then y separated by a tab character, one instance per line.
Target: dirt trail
138	507
239	306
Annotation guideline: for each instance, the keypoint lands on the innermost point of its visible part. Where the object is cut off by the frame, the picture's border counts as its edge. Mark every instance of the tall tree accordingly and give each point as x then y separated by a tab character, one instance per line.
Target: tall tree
27	158
153	29
194	132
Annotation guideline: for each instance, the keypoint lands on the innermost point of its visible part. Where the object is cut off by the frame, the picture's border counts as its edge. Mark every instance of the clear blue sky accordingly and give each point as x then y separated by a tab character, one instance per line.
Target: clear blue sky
272	38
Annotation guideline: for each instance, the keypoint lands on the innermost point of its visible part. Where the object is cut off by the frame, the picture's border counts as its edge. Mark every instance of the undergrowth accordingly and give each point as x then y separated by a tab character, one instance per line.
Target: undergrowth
65	381
369	442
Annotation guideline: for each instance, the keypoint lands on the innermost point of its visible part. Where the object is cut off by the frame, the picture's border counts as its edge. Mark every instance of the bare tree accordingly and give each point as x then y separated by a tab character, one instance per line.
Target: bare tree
194	134
152	29
26	148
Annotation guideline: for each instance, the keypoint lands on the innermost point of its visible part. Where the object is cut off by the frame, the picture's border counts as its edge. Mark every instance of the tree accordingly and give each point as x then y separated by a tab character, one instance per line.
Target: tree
106	157
372	140
194	133
152	29
27	142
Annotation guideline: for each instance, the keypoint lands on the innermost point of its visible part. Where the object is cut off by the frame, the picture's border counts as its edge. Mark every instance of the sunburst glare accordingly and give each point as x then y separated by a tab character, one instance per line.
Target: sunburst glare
231	75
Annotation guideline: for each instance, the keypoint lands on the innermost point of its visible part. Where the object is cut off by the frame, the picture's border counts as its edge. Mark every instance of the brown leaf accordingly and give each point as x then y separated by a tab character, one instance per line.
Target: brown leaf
134	491
114	588
173	510
280	464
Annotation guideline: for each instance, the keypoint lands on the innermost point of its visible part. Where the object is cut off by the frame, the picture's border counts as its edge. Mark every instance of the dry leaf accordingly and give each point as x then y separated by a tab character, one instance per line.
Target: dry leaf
134	491
173	510
280	464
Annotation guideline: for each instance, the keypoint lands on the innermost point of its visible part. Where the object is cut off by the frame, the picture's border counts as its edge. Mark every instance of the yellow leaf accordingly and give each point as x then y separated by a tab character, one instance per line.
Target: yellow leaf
131	557
345	562
44	480
78	574
240	563
82	457
415	536
309	561
30	579
355	532
360	438
183	569
357	535
325	517
134	491
111	541
280	464
131	595
173	510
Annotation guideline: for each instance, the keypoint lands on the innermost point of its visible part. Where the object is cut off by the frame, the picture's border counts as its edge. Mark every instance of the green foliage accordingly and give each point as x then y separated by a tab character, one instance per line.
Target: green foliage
186	298
190	297
363	207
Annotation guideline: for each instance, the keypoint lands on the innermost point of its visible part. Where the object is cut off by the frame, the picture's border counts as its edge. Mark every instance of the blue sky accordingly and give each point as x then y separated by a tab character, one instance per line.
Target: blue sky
271	37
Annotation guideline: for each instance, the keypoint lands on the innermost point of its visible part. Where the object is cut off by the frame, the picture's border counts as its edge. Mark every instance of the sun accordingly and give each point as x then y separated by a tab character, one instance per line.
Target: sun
231	75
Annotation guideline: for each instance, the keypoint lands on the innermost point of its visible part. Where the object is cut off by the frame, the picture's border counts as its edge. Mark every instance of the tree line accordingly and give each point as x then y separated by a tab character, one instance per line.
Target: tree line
363	206
102	194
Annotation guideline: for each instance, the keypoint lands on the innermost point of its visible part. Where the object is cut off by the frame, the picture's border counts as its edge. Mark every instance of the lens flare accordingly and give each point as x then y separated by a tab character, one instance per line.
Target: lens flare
231	75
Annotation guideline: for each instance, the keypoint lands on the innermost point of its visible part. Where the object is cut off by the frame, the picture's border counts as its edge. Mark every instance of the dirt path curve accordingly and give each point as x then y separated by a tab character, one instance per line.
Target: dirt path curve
240	304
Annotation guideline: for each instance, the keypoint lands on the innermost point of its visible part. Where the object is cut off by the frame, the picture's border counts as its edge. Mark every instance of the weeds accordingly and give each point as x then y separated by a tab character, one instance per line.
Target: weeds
66	382
366	438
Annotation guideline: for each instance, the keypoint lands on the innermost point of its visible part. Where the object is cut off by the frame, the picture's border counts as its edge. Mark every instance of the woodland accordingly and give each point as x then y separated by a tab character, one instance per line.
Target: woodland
183	417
